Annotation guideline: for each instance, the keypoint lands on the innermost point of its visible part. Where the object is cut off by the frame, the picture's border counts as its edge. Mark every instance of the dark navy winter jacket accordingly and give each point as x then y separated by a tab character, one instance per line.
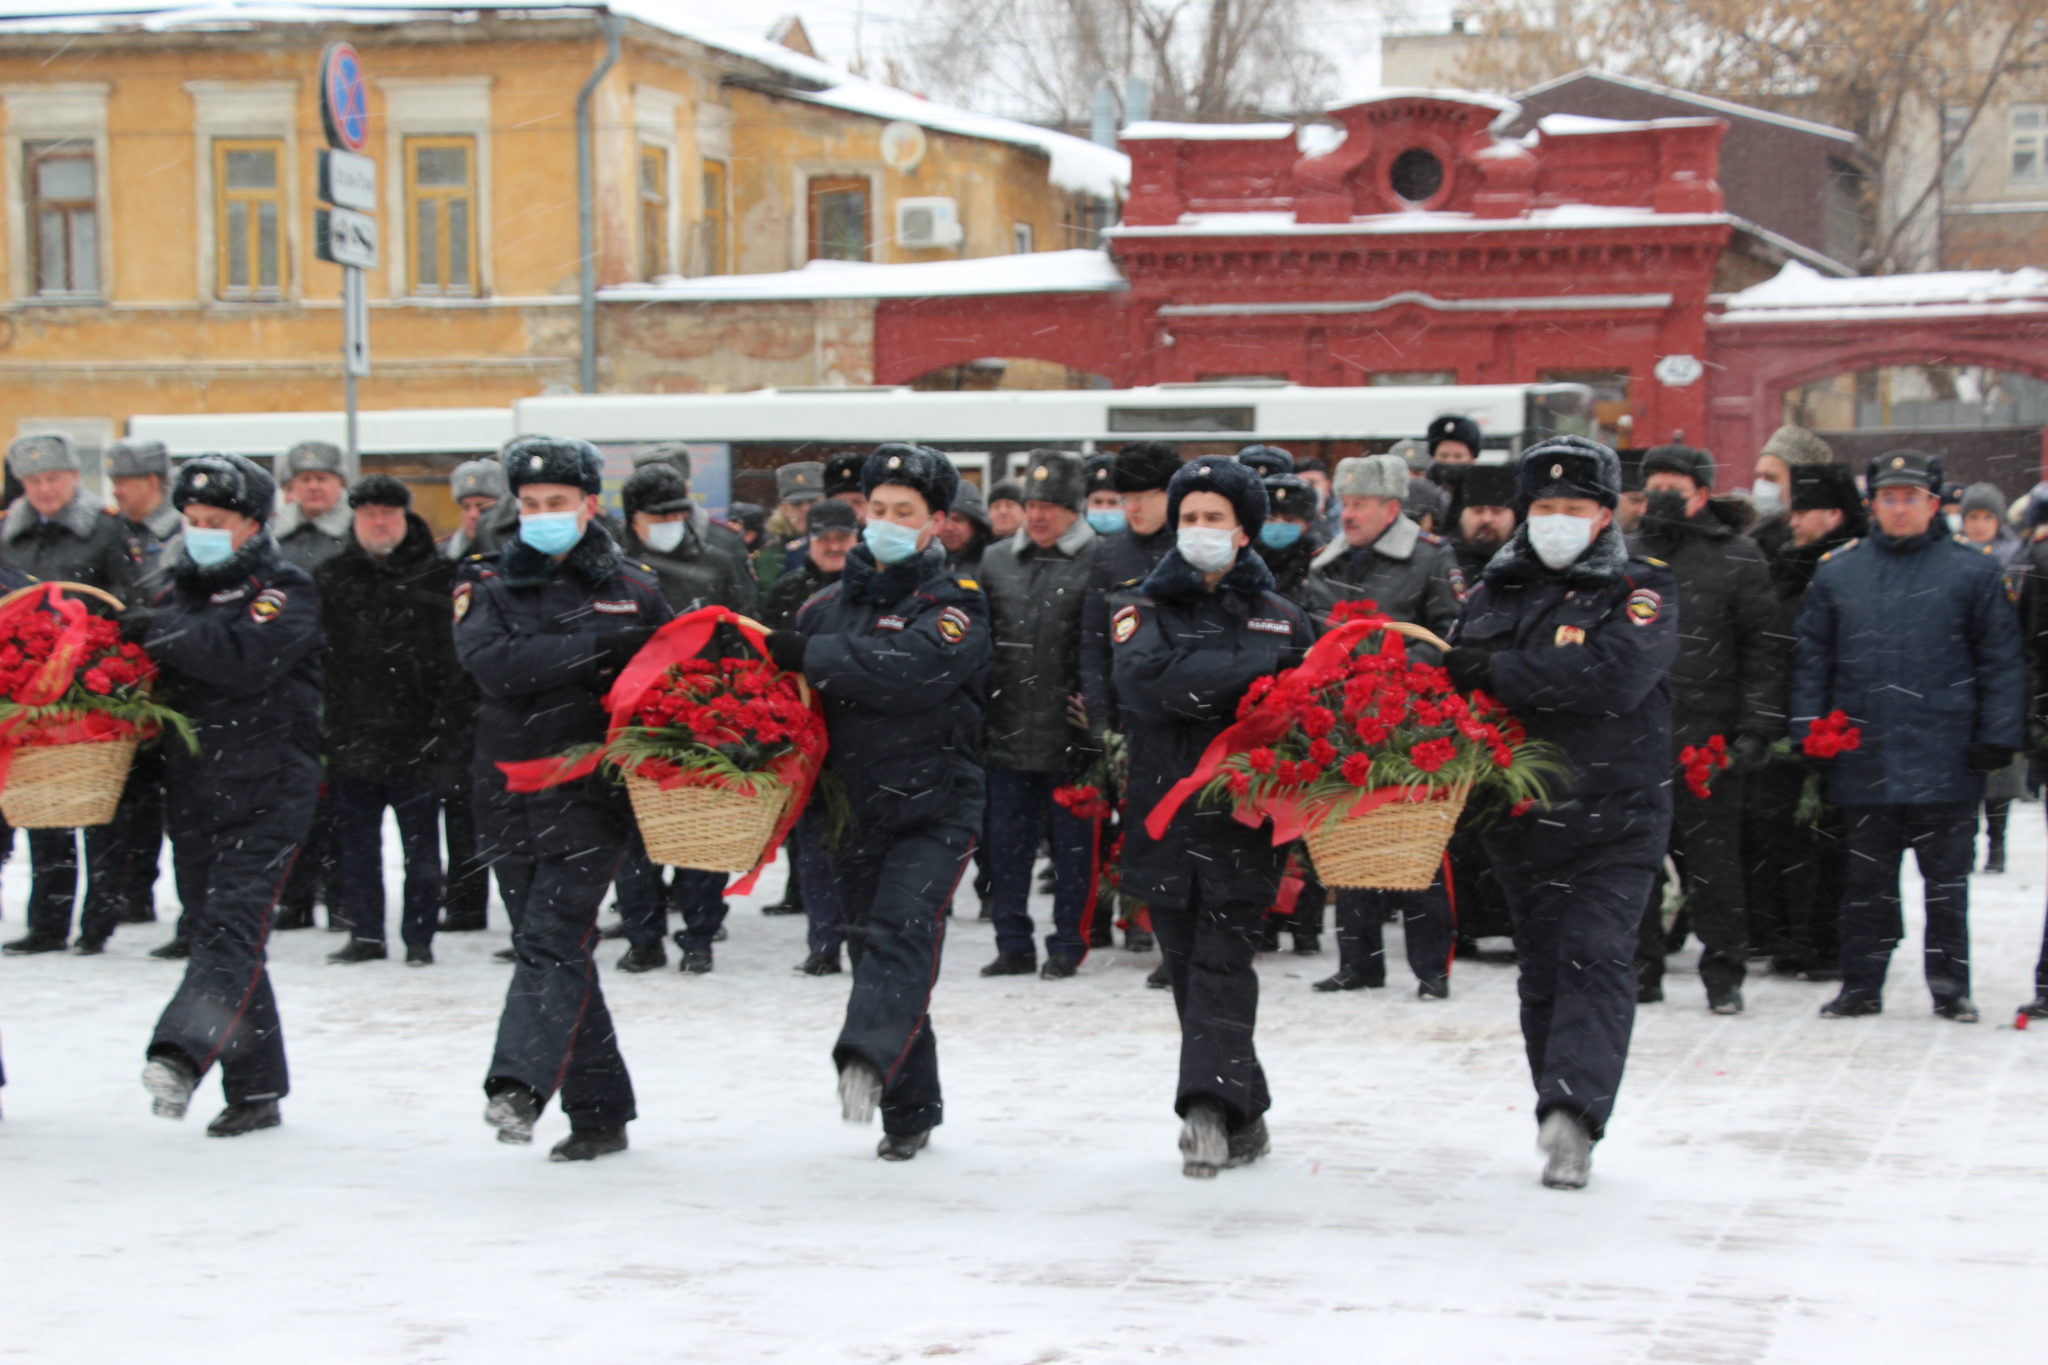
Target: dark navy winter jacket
1582	657
1183	659
900	655
1115	578
545	641
1917	641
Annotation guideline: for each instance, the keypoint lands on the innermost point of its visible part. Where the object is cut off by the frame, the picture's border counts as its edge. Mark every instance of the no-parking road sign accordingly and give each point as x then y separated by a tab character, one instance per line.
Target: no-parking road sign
344	102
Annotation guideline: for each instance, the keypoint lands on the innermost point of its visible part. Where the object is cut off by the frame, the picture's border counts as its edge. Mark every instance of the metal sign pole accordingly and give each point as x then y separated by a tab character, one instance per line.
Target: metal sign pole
346	232
351	290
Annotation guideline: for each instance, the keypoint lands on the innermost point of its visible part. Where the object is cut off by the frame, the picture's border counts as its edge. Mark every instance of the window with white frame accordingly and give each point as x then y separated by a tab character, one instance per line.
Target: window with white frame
2030	144
56	152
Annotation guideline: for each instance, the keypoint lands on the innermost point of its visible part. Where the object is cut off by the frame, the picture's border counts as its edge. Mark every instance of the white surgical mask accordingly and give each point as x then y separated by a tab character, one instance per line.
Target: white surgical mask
1768	497
1210	549
664	536
1559	539
1955	523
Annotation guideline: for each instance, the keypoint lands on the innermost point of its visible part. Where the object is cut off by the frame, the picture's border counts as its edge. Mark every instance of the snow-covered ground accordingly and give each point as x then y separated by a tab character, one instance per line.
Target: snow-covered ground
1775	1188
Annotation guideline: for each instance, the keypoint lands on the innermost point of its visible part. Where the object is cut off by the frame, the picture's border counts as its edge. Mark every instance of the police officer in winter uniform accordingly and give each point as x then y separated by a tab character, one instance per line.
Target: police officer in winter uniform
1267	460
1482	514
1036	583
898	649
478	486
140	472
1292	536
1203	625
1909	632
666	532
237	636
1411	574
843	481
544	626
58	531
708	534
1576	639
1452	440
798	487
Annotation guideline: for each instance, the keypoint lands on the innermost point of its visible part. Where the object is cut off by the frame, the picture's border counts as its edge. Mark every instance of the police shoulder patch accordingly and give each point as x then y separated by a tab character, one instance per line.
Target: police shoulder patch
463	592
953	624
1124	624
268	605
1644	607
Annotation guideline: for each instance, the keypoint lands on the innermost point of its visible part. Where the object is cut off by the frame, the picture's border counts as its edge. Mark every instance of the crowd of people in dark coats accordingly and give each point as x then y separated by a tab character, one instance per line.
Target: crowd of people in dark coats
1059	626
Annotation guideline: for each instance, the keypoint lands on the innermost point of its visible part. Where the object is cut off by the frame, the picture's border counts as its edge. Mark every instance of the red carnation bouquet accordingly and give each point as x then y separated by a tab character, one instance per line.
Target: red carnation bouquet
719	753
1699	763
67	679
1097	798
1827	737
1357	731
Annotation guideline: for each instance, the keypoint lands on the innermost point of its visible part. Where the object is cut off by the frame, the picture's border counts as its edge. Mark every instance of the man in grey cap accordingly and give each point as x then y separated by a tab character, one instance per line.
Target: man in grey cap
314	525
965	532
797	486
140	472
478	486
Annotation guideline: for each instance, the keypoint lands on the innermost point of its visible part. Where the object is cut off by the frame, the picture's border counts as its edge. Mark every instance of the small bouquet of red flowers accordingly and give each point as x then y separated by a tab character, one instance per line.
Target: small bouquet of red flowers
1699	763
718	754
1368	754
75	701
1827	737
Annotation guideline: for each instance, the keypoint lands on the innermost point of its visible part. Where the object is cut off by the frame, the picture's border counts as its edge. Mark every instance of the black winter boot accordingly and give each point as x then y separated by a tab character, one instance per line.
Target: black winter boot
902	1146
246	1117
1012	964
588	1144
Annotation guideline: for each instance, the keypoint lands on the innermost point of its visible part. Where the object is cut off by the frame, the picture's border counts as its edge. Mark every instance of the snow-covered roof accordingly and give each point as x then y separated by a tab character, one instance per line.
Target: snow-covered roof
1281	222
1076	164
1799	291
1580	125
1153	129
1038	272
1719	106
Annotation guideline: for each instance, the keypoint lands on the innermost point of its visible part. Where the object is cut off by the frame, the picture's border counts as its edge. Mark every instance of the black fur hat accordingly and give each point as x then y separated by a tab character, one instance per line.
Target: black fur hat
843	474
1268	460
656	488
1218	474
1486	485
1145	465
1691	461
927	471
1454	428
554	459
1056	476
379	490
748	516
1101	474
1288	496
228	482
1567	467
1819	486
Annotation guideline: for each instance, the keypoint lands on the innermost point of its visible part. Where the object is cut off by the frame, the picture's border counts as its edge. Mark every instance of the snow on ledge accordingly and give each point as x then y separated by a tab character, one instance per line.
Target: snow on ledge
1583	125
1801	288
1040	272
1154	130
1281	223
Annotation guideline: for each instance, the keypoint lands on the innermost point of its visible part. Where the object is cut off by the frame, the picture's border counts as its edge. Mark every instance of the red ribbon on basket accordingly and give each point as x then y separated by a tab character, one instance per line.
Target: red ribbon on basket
1263	728
682	638
53	680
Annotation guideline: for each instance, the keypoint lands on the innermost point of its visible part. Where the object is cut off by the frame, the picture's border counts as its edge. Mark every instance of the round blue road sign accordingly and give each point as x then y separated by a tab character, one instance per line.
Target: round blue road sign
344	102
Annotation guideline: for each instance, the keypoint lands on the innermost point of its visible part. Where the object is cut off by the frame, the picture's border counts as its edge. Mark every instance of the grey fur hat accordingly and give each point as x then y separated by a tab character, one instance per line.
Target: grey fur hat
138	460
1371	476
50	454
478	479
1796	445
309	457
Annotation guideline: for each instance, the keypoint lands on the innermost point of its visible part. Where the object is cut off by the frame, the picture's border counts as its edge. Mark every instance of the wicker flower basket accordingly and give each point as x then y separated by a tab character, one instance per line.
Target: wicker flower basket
705	828
1398	846
66	786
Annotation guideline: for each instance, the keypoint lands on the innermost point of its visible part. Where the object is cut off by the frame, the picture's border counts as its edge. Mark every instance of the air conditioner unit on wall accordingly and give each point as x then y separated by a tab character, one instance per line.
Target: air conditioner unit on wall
931	222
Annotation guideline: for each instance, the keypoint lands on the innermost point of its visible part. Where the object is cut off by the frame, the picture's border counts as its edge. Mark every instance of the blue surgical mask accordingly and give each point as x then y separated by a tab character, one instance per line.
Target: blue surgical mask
552	533
1278	535
890	543
1107	521
206	546
664	536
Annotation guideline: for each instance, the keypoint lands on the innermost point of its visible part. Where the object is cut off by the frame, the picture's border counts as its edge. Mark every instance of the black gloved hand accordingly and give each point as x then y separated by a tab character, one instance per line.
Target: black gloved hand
135	623
1988	758
786	648
1749	751
1470	669
616	648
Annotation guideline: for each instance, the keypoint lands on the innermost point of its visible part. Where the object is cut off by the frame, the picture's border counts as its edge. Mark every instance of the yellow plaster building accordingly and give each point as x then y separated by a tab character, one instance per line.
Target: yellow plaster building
156	229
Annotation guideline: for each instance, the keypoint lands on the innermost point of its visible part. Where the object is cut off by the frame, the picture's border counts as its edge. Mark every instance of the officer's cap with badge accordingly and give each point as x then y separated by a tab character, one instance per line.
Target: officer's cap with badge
1905	469
310	457
1268	460
45	454
1215	474
1453	427
478	479
565	460
1142	466
803	481
843	474
1290	497
138	459
1100	474
1567	467
1057	477
924	470
228	482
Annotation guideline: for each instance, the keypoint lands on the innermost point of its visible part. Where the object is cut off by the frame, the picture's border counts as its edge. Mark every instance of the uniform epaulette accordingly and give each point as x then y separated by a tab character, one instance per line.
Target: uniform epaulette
1431	538
1845	545
968	584
1655	562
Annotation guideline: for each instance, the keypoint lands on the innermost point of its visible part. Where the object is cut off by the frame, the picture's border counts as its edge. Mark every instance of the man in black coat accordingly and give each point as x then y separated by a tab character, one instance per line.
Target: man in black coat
1203	626
1794	872
1909	632
58	531
966	533
665	532
898	649
1036	582
394	697
544	626
2032	570
1728	680
236	634
1576	639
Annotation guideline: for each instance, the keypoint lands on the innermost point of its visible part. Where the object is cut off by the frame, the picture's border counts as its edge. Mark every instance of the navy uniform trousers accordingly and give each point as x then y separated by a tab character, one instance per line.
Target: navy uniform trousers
1576	876
1426	924
556	1035
230	877
1209	945
1943	839
896	869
